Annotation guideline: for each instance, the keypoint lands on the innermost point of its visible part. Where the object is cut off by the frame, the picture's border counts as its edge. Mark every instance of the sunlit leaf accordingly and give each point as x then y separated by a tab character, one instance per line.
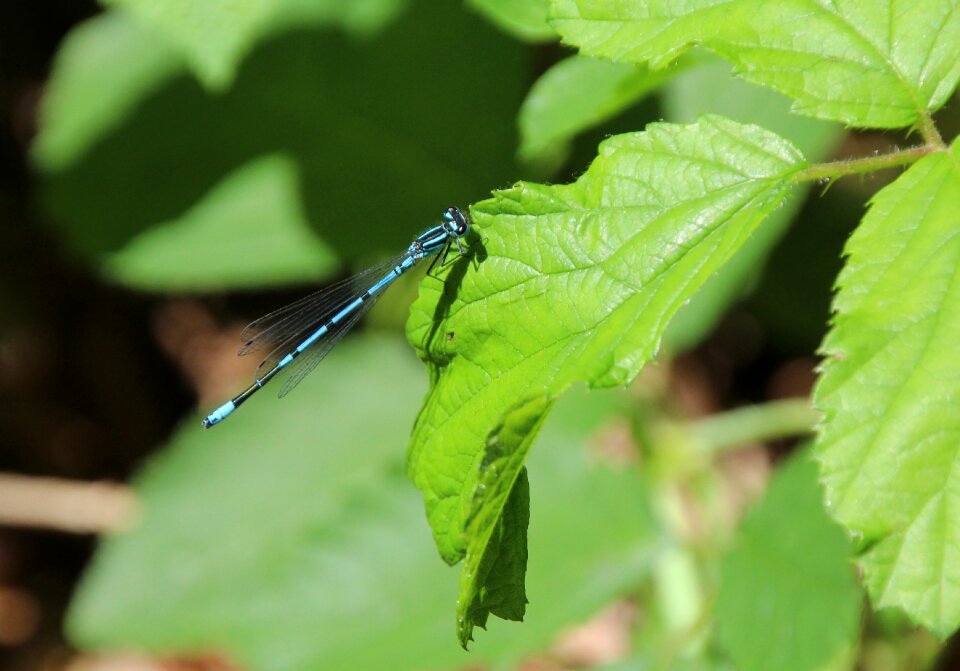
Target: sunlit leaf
880	64
889	388
492	580
576	283
710	88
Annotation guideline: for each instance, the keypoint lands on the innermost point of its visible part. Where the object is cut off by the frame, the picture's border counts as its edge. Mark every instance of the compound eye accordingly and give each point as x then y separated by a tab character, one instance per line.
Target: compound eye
454	216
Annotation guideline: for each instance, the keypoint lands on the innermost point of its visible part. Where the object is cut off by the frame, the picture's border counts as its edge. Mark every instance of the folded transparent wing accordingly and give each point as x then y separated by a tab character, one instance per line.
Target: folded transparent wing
313	355
279	332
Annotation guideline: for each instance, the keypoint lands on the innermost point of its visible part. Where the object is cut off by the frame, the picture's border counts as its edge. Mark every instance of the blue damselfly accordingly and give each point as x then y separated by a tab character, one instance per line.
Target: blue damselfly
299	335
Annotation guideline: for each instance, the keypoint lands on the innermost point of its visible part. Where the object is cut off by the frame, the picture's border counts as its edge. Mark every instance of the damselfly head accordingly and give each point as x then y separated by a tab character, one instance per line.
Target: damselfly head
458	224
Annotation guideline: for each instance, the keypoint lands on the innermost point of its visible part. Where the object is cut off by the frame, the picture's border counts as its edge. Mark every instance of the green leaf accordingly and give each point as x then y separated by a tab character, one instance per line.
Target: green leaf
362	18
789	597
212	35
578	93
288	539
866	64
112	62
495	585
104	67
651	661
492	579
525	19
576	283
234	509
371	173
889	390
710	88
592	534
222	240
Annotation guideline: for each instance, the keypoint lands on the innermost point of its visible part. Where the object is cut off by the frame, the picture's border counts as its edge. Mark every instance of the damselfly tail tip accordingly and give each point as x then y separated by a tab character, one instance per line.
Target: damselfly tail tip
219	414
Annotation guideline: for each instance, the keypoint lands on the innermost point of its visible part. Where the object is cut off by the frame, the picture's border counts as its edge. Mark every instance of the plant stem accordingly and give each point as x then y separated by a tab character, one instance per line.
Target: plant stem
857	166
929	133
751	424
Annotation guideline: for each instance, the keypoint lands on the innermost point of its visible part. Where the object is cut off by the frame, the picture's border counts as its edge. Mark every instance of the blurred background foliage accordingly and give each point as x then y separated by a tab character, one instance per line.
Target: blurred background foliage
163	181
